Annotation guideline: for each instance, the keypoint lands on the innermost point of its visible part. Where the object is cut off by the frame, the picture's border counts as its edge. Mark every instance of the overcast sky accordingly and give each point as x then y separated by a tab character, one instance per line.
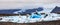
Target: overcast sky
13	4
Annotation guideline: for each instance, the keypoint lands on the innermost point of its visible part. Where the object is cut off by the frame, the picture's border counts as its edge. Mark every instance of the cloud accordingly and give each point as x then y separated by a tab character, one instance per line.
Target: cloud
13	4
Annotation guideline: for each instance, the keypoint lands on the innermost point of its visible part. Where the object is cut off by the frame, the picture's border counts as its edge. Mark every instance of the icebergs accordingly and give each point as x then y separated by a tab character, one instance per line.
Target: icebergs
24	19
